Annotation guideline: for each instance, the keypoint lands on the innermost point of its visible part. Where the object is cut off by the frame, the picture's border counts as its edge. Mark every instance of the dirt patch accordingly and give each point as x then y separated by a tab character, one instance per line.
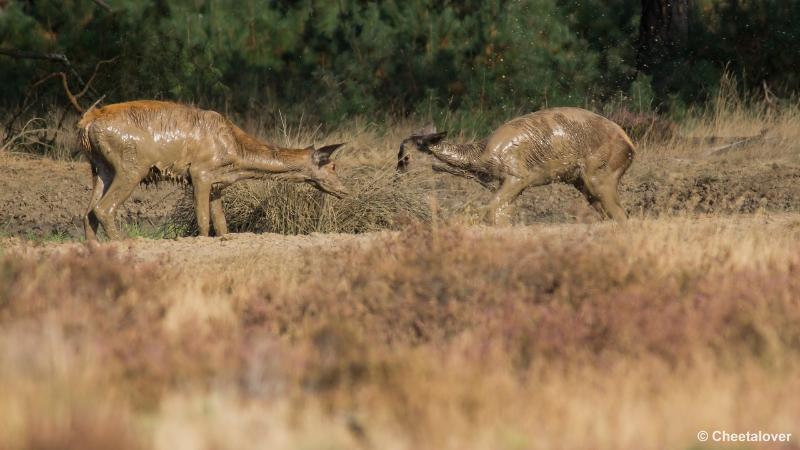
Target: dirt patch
41	197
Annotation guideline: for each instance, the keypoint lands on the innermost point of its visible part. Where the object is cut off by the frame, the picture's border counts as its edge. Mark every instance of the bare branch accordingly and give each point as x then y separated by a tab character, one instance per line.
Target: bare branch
738	143
42	80
24	54
58	57
55	57
103	5
103	97
71	97
94	74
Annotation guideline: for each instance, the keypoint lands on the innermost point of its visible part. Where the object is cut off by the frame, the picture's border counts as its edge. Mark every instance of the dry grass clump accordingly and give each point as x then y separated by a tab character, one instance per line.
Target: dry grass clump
377	201
70	324
52	135
705	132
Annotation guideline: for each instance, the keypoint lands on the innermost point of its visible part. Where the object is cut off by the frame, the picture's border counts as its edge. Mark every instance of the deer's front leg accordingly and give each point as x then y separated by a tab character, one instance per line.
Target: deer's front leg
498	212
463	173
202	191
217	214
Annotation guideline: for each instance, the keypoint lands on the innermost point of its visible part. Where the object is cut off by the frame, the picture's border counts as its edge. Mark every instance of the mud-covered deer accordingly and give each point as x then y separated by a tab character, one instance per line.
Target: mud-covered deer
148	141
568	145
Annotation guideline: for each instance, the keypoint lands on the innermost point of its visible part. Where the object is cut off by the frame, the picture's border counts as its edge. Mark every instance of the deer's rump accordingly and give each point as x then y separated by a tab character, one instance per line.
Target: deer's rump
560	141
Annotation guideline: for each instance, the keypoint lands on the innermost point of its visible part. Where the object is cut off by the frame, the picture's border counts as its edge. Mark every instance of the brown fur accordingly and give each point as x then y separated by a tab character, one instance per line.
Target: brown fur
148	141
569	145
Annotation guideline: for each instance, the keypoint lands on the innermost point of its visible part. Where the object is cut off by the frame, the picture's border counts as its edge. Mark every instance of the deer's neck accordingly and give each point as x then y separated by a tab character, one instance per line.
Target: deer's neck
263	160
463	156
274	161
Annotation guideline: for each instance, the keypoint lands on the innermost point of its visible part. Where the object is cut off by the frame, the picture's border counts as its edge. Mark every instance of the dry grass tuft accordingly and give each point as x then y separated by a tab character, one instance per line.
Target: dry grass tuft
52	135
378	201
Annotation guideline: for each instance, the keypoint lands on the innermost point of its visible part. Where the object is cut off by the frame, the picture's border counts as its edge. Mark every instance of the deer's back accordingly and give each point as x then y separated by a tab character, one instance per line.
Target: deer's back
557	139
156	132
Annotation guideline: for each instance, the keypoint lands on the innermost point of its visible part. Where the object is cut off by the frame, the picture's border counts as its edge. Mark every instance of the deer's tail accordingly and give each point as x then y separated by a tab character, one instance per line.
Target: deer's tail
84	145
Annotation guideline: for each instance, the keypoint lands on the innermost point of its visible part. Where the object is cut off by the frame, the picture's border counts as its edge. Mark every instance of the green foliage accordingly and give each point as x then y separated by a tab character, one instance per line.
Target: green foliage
641	94
610	29
340	58
331	60
756	39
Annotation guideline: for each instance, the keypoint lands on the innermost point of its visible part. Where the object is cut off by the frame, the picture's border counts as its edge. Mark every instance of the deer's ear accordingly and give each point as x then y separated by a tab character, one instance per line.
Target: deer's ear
322	156
430	139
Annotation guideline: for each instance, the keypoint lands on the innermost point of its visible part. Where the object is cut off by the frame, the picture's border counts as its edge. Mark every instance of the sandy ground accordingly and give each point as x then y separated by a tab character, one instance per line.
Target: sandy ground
248	257
208	256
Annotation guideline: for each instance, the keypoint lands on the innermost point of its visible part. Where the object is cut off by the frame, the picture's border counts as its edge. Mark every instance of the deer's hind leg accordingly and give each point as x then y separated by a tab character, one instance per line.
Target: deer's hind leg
120	189
602	177
101	176
604	187
593	201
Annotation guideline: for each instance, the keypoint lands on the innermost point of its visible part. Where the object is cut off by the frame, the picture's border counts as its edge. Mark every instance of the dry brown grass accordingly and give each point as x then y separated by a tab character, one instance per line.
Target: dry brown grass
377	201
52	135
554	336
732	115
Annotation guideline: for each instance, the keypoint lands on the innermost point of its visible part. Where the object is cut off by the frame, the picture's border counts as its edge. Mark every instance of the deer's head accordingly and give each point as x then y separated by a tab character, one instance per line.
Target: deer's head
321	172
421	141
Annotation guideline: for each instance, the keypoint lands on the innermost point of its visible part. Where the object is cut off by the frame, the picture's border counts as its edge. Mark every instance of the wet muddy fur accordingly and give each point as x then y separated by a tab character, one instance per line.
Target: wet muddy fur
568	145
149	141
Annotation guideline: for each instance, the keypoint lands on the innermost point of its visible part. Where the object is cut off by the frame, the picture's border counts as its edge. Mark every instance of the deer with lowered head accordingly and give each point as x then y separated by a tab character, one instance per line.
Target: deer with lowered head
569	145
149	141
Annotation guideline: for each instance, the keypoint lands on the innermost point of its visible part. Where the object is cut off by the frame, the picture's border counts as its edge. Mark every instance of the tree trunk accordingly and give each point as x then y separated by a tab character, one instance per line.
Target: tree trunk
663	33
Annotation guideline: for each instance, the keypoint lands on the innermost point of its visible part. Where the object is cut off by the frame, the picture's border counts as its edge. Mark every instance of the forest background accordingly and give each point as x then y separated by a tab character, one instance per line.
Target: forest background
334	60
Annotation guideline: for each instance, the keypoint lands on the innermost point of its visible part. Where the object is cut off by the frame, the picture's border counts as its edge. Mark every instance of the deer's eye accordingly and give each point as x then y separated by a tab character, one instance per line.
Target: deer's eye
333	166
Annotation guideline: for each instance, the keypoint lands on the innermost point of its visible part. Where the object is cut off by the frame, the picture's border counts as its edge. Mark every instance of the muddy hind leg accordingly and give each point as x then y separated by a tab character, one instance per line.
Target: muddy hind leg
119	191
217	214
593	201
101	177
604	187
